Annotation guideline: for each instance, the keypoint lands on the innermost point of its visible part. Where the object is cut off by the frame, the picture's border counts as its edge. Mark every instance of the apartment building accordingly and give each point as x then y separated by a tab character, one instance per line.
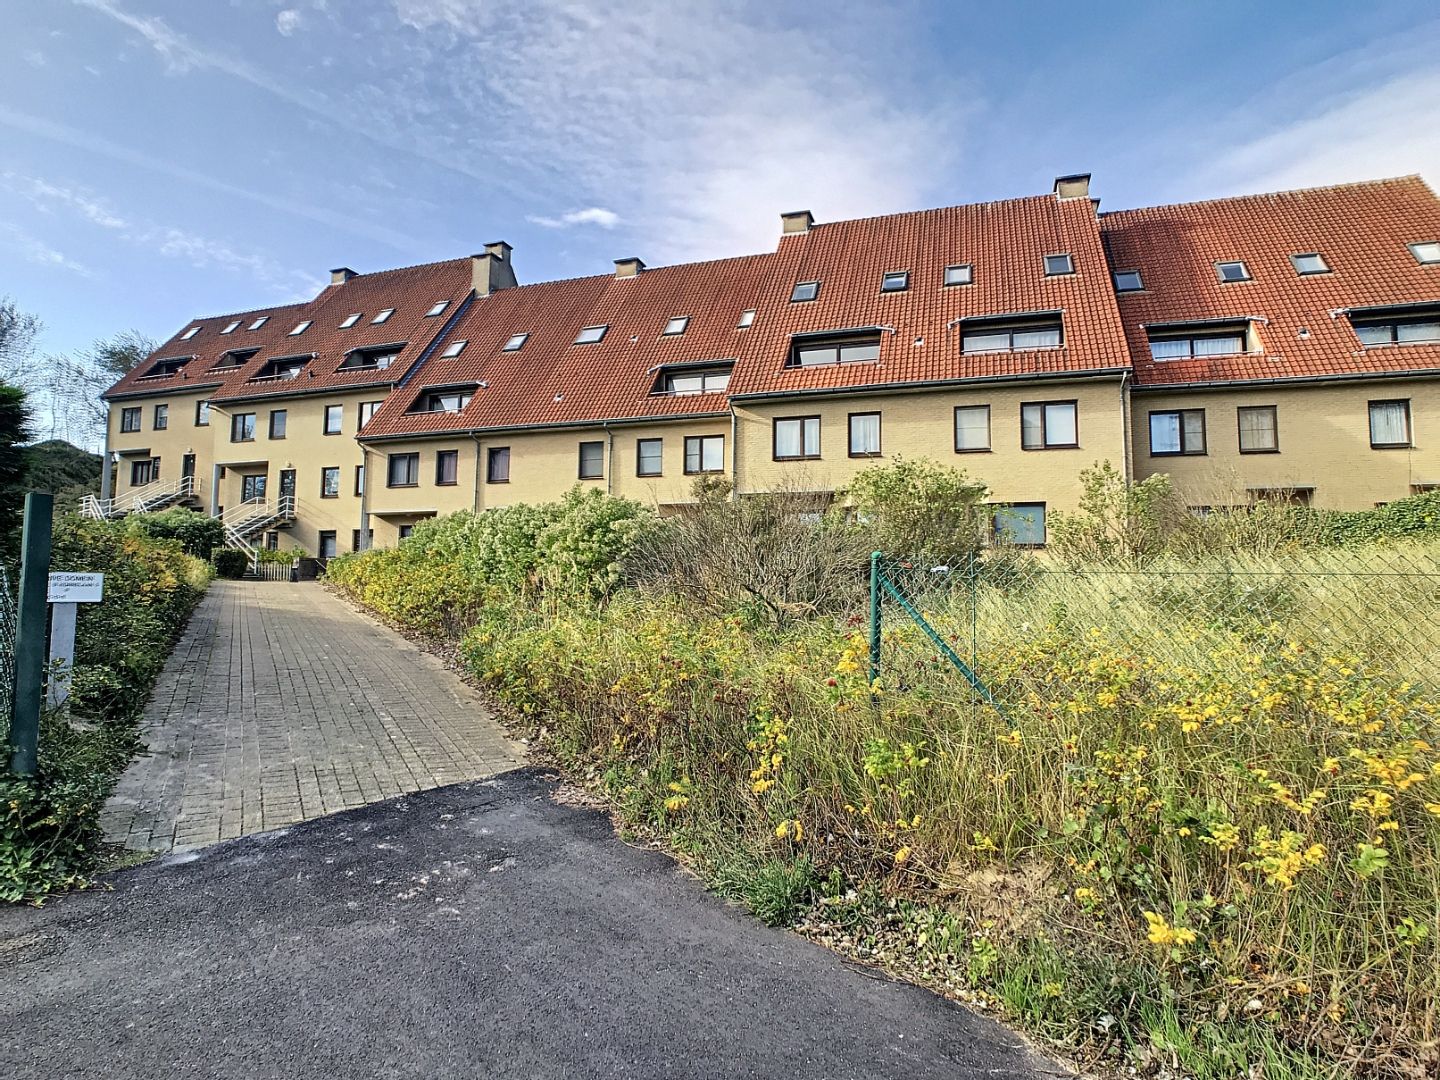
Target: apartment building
1280	346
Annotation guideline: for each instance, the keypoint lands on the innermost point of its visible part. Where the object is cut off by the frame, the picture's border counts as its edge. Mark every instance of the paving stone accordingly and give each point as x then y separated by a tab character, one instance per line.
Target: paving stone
281	703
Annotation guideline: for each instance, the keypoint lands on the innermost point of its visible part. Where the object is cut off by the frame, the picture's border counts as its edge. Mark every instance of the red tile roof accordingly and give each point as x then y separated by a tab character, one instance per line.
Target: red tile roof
1361	230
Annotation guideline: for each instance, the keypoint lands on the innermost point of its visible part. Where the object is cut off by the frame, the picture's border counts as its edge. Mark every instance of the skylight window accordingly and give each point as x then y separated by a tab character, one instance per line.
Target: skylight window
1232	271
1058	265
1311	263
677	324
515	342
300	328
454	349
589	335
804	290
232	327
261	321
747	319
437	309
378	319
350	320
1427	253
188	334
1128	281
895	281
959	274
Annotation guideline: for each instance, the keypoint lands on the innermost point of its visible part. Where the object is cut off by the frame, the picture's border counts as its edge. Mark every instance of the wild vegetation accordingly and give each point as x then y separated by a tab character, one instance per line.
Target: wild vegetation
1199	834
49	824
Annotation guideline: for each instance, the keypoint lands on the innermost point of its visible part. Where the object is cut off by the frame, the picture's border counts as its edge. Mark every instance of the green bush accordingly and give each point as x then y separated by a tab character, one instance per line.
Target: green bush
49	823
198	534
921	510
230	563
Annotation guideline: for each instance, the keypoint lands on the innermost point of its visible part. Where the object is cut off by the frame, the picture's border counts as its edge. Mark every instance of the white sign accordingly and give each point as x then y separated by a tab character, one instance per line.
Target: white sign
75	588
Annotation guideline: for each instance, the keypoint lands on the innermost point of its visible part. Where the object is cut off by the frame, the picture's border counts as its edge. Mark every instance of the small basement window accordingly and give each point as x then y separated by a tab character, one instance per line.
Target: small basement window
677	325
1128	281
1230	272
282	367
804	290
1058	265
1012	333
382	316
454	349
591	335
895	281
1187	342
372	357
514	342
1310	263
959	274
437	309
856	348
351	319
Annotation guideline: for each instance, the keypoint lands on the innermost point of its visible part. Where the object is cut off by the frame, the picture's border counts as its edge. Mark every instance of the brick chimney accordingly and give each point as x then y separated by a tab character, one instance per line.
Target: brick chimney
1076	186
491	271
796	221
630	267
341	274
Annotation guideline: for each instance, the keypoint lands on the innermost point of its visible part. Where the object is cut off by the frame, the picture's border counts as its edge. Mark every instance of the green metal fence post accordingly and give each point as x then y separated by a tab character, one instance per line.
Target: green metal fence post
30	633
875	616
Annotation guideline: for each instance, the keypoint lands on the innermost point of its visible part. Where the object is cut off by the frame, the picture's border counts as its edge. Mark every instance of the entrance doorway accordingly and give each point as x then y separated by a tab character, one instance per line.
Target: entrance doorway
287	483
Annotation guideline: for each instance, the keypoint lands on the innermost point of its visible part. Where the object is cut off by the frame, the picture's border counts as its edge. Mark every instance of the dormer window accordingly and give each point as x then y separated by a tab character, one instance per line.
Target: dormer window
437	309
1231	272
959	274
261	321
351	319
382	316
233	359
677	325
1128	281
444	399
515	343
591	335
230	328
188	334
895	281
300	328
685	381
1414	324
804	290
372	357
282	367
818	350
454	349
1178	341
1309	263
165	367
1426	253
1012	333
1059	265
747	319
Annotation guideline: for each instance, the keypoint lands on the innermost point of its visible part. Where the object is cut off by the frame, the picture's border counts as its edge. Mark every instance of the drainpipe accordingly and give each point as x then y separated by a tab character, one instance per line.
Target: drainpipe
734	453
365	499
476	439
106	480
609	459
215	490
1125	440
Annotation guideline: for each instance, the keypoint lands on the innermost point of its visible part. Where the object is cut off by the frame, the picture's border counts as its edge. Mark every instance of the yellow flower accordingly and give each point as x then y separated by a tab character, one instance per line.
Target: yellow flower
1161	933
782	830
903	855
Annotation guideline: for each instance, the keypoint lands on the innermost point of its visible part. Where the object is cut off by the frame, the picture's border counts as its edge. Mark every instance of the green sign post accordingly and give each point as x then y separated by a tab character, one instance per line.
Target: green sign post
30	633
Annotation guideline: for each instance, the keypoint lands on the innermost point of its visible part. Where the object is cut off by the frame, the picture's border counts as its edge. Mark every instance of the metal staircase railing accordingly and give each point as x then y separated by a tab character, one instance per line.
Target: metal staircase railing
245	520
143	500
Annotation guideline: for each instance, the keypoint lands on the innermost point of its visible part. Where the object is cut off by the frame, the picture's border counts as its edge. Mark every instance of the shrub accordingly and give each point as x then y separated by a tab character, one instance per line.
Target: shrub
1117	520
198	534
231	563
921	510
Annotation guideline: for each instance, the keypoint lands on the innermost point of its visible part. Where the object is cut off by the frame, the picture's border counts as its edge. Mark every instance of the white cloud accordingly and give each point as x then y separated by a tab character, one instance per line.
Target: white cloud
288	21
36	251
591	215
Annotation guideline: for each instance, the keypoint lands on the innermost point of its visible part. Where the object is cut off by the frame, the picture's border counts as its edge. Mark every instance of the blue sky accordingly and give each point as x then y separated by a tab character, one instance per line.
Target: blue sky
161	159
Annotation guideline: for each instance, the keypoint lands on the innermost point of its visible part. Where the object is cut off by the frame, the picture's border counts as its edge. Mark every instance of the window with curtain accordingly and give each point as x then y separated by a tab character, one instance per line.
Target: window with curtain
972	428
497	465
1389	423
1178	431
797	437
865	434
1048	425
1259	429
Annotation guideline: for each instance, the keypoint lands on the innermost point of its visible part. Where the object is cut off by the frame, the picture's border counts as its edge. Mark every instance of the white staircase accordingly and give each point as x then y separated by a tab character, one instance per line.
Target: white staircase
160	495
247	520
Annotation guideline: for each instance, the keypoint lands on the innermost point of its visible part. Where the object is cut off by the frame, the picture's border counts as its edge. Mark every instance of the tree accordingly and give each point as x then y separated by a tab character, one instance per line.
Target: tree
18	331
14	433
79	381
921	510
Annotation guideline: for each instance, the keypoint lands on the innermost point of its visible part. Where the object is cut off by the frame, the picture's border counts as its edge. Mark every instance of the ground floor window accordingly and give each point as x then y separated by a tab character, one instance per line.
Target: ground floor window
355	537
143	472
1022	524
327	544
405	531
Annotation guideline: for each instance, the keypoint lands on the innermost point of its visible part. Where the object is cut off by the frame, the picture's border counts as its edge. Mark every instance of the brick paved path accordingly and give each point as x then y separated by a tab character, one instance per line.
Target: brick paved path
281	703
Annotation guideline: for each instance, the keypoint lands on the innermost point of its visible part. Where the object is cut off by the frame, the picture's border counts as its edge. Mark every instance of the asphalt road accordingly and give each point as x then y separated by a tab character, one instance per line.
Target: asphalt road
480	930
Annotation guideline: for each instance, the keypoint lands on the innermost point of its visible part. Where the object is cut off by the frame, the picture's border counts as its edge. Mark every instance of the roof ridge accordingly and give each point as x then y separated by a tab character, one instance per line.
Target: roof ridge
647	271
1377	182
1045	196
250	311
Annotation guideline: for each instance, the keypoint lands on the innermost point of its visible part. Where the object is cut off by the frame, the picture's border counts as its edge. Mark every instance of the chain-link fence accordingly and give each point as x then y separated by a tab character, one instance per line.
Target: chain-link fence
1375	612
